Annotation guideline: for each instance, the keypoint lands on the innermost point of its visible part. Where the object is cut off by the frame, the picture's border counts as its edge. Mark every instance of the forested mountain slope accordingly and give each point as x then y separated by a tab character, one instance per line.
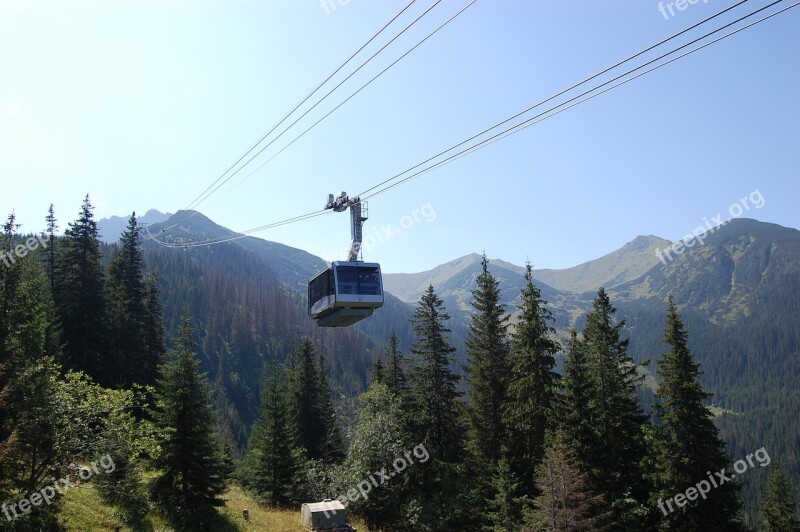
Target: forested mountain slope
251	317
185	227
736	265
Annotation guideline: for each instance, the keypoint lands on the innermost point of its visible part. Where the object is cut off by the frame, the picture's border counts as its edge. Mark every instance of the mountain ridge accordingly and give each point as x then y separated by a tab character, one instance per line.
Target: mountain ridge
622	265
111	228
631	273
704	277
626	263
295	265
725	274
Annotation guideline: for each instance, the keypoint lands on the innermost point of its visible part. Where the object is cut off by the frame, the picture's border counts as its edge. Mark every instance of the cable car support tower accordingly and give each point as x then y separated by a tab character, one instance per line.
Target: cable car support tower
358	215
347	291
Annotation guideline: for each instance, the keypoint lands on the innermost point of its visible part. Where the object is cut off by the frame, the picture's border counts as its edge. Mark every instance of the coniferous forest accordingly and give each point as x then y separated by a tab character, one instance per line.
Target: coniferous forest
170	383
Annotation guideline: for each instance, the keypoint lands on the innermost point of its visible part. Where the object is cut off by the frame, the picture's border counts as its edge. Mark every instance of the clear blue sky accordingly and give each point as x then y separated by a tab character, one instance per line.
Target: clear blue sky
144	103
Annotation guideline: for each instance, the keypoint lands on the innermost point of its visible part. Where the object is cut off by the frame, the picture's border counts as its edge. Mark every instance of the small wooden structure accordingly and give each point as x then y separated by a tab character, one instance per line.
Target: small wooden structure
327	515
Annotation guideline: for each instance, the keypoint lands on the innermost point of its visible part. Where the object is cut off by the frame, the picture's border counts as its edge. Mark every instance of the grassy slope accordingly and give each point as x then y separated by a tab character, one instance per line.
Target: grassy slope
84	510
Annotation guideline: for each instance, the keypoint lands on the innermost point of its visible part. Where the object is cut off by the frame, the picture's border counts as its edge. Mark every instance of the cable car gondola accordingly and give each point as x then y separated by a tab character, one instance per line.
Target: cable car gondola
347	291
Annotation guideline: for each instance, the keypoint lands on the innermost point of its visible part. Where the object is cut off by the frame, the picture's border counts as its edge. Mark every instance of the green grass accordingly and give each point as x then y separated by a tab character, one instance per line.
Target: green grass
84	510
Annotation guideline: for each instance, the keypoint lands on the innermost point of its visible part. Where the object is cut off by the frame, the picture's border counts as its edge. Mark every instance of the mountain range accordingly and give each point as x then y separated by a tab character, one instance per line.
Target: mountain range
720	278
111	228
625	264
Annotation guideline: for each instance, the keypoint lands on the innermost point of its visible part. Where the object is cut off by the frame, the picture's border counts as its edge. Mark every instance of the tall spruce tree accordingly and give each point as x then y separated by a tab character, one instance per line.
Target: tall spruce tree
395	372
614	406
489	371
10	358
130	297
308	423
53	342
312	412
777	508
396	377
8	430
378	371
333	450
533	386
504	511
436	415
192	466
33	446
81	298
154	320
50	261
687	445
270	464
488	374
577	424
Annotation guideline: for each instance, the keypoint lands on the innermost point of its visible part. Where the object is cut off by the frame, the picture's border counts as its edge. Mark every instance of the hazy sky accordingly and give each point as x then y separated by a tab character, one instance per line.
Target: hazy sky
143	103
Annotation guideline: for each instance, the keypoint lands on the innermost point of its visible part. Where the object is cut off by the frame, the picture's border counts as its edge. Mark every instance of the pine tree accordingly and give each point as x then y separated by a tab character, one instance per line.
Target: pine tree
378	372
436	410
53	342
192	468
614	407
308	424
270	464
504	510
532	390
333	447
777	508
81	299
312	413
576	418
436	417
31	440
395	372
489	372
130	296
154	322
52	227
10	281
687	445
